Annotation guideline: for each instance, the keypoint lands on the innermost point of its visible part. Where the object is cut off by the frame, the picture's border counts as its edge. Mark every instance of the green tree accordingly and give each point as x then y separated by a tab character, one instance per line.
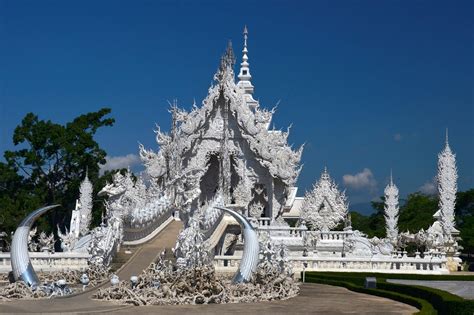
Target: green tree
465	219
417	212
49	166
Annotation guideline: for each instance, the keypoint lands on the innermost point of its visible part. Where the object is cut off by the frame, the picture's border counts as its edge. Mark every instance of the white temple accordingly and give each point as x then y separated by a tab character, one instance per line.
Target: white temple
223	153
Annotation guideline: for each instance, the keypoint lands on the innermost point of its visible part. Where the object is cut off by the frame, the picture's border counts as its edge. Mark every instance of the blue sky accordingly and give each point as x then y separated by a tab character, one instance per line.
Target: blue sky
368	85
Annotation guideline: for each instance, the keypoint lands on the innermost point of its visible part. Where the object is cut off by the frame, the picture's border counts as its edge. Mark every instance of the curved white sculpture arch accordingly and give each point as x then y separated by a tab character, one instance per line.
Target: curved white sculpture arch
20	259
249	262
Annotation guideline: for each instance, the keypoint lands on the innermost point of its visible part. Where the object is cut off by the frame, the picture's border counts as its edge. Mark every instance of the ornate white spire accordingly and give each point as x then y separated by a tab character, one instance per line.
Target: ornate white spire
244	75
391	210
85	201
447	187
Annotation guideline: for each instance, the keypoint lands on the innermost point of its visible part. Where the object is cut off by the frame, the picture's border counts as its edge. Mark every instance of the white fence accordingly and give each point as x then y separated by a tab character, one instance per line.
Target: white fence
425	265
49	261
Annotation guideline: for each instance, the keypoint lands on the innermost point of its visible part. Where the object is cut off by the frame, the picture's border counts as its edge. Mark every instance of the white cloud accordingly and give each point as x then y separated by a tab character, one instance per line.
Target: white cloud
397	137
362	180
430	187
118	162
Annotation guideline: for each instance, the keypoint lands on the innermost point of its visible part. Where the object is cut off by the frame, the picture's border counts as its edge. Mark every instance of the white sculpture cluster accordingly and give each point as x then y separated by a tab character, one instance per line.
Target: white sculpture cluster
41	242
191	249
165	283
77	236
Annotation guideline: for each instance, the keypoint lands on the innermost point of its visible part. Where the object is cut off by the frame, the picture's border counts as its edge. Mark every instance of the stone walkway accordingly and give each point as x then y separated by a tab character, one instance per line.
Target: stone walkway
464	289
313	299
148	252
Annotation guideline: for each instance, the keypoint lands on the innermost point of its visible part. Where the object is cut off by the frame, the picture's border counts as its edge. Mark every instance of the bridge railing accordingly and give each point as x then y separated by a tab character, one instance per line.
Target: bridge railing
134	234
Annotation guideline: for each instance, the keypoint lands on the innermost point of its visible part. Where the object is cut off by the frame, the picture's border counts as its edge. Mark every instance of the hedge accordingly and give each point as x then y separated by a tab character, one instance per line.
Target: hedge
407	276
428	300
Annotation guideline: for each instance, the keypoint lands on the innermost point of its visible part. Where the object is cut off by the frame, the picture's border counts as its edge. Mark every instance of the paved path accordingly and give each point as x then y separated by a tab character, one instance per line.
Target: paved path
148	252
313	299
464	289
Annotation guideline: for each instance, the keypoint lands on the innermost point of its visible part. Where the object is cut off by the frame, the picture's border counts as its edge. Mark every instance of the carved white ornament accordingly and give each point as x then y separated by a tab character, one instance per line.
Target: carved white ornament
324	207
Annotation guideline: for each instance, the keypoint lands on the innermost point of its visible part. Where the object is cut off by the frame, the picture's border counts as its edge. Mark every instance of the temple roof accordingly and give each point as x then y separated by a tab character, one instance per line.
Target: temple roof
269	146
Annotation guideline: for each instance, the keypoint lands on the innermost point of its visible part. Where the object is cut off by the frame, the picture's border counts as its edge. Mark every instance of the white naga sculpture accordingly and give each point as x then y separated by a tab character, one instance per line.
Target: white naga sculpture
324	207
133	201
391	211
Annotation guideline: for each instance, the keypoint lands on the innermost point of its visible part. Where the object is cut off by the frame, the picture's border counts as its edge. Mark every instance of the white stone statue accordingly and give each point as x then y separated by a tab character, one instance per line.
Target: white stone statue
32	244
46	242
68	240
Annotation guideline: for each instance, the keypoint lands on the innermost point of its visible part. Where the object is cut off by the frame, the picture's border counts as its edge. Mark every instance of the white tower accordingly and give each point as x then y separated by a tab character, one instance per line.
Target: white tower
85	202
391	210
245	77
447	187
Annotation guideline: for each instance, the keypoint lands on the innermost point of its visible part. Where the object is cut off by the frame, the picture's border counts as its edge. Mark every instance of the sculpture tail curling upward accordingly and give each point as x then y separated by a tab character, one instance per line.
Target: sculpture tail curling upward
250	256
20	259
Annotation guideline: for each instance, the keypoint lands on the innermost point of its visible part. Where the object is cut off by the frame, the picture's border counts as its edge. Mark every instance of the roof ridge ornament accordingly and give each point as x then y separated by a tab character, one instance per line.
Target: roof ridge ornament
226	66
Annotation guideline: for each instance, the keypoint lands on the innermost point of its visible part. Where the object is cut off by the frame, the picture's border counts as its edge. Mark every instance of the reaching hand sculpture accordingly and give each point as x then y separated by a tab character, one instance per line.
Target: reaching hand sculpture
249	262
20	260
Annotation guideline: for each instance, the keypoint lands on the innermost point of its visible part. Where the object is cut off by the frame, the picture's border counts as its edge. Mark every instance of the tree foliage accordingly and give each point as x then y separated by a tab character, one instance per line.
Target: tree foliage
48	166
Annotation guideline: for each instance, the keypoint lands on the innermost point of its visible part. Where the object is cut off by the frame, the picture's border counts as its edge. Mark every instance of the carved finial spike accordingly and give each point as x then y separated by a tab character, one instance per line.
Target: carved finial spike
245	38
447	138
391	177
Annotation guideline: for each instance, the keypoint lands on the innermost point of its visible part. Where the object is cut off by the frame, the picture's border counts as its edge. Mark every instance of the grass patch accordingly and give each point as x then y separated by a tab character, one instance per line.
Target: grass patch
427	300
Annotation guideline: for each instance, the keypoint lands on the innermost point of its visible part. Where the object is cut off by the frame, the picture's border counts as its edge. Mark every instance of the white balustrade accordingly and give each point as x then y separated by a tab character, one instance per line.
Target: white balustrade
425	265
49	261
